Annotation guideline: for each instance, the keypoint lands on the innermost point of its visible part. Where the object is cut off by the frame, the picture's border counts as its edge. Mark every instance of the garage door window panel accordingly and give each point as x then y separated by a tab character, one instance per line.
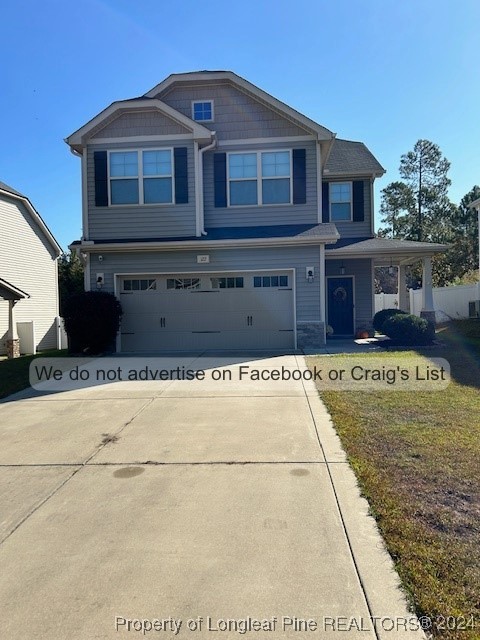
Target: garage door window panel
227	283
183	284
135	284
270	281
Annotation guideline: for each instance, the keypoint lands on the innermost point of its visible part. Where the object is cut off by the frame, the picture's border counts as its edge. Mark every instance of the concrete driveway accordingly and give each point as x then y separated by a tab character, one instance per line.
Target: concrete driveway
166	510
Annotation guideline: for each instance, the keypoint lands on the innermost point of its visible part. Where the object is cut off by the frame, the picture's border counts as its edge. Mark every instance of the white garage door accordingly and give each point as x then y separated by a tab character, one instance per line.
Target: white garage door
185	312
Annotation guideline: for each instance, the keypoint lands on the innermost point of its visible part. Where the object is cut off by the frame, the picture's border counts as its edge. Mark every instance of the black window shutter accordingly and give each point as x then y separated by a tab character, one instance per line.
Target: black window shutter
299	177
220	179
101	178
181	175
325	203
358	202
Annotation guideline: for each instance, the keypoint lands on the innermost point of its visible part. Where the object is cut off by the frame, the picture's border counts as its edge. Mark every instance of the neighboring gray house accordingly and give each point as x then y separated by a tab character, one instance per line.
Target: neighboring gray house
223	218
28	277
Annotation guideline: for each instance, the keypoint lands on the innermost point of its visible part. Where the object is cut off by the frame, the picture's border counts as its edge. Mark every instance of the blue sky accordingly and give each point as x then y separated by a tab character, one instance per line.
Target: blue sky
381	71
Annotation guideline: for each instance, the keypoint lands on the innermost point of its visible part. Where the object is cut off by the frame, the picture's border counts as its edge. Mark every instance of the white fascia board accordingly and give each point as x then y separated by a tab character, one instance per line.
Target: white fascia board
322	132
18	293
199	131
188	245
37	219
342	253
352	174
475	204
272	140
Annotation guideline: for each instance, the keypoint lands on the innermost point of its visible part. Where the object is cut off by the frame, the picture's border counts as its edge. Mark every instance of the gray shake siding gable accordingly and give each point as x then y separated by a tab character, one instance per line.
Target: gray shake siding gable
237	115
140	123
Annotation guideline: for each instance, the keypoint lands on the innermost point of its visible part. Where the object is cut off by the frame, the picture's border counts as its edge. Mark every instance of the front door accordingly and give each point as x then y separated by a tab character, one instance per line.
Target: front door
340	305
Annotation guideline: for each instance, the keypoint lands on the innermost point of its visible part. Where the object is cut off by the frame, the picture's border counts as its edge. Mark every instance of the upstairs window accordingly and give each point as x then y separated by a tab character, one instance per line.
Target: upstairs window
263	177
340	201
124	177
202	111
144	177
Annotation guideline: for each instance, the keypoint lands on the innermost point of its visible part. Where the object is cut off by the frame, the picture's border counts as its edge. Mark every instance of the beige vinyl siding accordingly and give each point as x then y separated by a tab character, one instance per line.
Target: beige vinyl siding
358	229
266	215
308	293
140	123
27	261
236	114
141	221
362	270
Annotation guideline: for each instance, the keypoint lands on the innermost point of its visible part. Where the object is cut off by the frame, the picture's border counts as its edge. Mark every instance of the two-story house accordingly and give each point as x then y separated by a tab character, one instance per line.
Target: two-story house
224	219
28	277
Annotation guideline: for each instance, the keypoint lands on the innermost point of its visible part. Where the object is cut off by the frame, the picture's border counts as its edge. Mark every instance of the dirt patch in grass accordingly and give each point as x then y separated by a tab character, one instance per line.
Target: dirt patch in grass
417	460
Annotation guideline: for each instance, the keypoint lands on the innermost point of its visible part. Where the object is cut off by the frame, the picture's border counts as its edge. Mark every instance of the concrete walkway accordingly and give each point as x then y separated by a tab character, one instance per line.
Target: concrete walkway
175	509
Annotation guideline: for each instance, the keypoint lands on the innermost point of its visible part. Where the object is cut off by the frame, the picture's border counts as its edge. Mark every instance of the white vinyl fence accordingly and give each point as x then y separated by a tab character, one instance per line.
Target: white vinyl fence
451	301
386	301
26	335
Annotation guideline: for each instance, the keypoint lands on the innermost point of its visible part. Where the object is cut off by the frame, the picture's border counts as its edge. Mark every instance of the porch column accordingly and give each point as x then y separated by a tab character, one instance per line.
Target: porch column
428	311
13	343
403	300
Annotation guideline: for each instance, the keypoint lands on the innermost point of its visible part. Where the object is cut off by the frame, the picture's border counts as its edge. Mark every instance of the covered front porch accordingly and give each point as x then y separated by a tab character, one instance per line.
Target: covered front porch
350	280
13	295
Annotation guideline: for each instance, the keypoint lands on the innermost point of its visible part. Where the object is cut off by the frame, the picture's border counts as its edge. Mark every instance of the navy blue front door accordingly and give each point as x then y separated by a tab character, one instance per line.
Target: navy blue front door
340	305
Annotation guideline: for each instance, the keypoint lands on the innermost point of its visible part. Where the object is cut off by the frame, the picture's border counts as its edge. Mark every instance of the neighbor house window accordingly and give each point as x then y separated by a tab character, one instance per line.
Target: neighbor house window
340	201
263	177
141	177
202	111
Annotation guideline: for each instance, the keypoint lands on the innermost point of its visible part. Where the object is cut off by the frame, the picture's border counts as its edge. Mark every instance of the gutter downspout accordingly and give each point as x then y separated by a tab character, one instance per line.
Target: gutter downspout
200	201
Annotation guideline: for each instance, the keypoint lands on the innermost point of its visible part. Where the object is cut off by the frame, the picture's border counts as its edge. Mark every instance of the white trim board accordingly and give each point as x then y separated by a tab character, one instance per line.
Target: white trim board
272	140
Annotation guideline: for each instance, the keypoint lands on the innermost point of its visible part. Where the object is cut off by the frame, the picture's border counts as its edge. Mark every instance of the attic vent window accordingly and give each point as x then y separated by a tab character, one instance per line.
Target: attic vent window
202	111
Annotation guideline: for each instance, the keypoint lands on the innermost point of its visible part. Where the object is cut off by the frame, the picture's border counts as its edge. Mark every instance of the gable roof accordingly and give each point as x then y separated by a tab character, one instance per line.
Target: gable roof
77	139
247	87
5	190
351	158
386	249
10	292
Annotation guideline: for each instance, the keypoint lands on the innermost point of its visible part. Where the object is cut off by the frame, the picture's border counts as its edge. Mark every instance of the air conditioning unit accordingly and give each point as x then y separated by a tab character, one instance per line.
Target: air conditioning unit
474	309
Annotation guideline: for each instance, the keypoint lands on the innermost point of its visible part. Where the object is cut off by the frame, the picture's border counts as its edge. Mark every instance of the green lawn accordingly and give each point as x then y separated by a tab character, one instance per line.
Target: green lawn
14	373
417	459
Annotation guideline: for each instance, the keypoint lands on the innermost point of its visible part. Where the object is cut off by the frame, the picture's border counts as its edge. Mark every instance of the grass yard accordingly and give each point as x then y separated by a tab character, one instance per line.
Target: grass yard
14	373
417	460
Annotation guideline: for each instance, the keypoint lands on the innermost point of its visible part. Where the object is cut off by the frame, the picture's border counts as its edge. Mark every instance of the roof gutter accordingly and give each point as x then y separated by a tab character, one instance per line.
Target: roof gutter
188	245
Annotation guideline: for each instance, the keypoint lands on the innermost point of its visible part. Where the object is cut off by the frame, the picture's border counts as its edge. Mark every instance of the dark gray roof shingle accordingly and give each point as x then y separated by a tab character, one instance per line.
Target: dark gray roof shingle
350	158
5	187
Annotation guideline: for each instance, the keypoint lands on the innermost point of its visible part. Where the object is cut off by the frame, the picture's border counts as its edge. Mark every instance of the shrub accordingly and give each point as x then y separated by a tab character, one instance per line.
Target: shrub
92	320
380	317
406	329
